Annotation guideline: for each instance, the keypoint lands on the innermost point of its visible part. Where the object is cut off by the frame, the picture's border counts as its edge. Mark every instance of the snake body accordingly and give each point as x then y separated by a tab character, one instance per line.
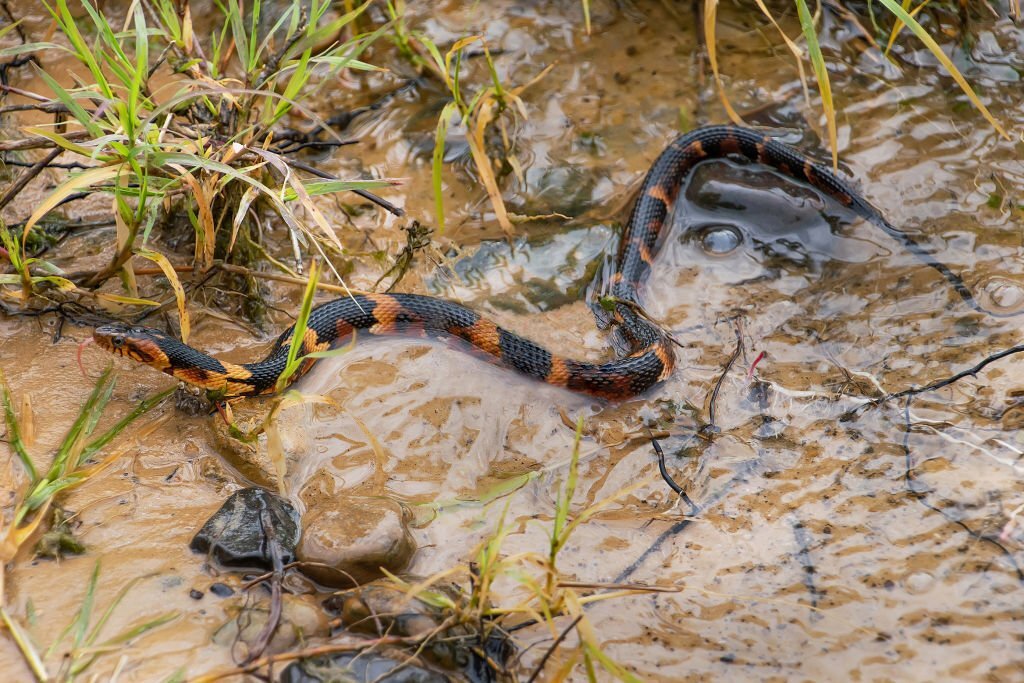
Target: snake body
649	357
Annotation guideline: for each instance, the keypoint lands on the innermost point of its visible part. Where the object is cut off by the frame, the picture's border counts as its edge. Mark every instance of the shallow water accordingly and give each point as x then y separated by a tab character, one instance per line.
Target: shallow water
829	545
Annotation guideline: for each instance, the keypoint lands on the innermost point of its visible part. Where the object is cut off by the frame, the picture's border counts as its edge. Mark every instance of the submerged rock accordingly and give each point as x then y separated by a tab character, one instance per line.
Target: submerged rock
349	539
359	667
249	529
301	619
382	607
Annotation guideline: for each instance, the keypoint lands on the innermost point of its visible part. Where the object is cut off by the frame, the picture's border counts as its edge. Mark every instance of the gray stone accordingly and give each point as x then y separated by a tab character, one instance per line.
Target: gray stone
359	667
249	529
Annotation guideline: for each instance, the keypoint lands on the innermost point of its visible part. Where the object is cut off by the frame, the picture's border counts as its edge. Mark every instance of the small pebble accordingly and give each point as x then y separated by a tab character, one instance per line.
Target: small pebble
221	590
919	582
195	595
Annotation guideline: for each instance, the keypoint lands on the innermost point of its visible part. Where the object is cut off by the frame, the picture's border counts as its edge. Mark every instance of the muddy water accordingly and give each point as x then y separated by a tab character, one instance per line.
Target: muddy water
829	545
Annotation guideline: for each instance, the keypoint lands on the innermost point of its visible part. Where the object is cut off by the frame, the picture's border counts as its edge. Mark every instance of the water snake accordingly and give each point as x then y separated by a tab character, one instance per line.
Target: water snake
649	357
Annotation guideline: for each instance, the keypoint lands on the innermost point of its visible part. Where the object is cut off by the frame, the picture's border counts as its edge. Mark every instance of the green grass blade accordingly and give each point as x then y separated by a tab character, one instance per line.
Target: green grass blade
84	417
316	187
30	47
141	409
83	51
254	32
299	333
609	664
238	34
821	75
14	431
105	617
140	74
564	500
437	165
80	624
139	630
77	110
299	78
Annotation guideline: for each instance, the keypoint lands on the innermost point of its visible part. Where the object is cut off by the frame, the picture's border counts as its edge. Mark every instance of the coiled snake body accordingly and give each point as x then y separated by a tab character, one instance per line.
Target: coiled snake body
649	358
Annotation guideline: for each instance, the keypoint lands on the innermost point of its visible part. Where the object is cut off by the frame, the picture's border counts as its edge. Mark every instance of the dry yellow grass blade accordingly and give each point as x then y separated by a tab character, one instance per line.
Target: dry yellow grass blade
793	47
119	299
179	291
483	116
380	477
275	444
16	534
897	28
821	76
78	182
206	239
28	421
710	19
946	62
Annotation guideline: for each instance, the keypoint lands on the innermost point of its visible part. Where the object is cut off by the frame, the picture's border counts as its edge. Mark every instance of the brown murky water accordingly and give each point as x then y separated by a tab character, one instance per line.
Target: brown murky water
829	546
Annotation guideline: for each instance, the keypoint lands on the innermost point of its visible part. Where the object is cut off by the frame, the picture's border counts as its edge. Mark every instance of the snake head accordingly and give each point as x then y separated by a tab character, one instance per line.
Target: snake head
143	344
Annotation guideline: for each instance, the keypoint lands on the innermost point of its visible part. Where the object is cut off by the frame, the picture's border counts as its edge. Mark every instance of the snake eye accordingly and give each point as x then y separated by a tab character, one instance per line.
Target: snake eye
117	342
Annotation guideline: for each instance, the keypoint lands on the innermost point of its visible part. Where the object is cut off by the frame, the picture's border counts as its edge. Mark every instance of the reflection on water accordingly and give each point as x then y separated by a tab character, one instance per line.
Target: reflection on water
835	540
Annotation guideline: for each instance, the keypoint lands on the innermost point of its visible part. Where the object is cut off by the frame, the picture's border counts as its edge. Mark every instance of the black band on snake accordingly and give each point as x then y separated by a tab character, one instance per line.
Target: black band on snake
649	358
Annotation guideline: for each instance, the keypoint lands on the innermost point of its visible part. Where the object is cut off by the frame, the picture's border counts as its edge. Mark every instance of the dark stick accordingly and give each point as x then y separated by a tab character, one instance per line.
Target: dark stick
295	146
274	616
718	384
26	177
676	528
551	650
694	508
970	372
382	203
73	165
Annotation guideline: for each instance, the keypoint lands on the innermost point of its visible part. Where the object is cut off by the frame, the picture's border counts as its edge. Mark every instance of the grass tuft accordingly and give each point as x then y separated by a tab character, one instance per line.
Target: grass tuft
199	142
902	19
72	465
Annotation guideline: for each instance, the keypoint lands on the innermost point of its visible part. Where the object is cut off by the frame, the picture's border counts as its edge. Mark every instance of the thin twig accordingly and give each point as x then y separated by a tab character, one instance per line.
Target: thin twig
274	614
26	177
39	142
554	646
663	469
71	166
970	372
379	201
721	379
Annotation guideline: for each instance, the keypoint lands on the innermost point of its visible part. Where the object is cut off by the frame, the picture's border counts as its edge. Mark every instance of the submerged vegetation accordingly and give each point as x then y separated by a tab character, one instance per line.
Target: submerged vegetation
185	136
902	17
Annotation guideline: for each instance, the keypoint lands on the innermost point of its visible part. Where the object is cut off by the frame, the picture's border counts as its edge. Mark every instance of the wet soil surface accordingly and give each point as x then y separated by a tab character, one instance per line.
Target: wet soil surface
834	540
